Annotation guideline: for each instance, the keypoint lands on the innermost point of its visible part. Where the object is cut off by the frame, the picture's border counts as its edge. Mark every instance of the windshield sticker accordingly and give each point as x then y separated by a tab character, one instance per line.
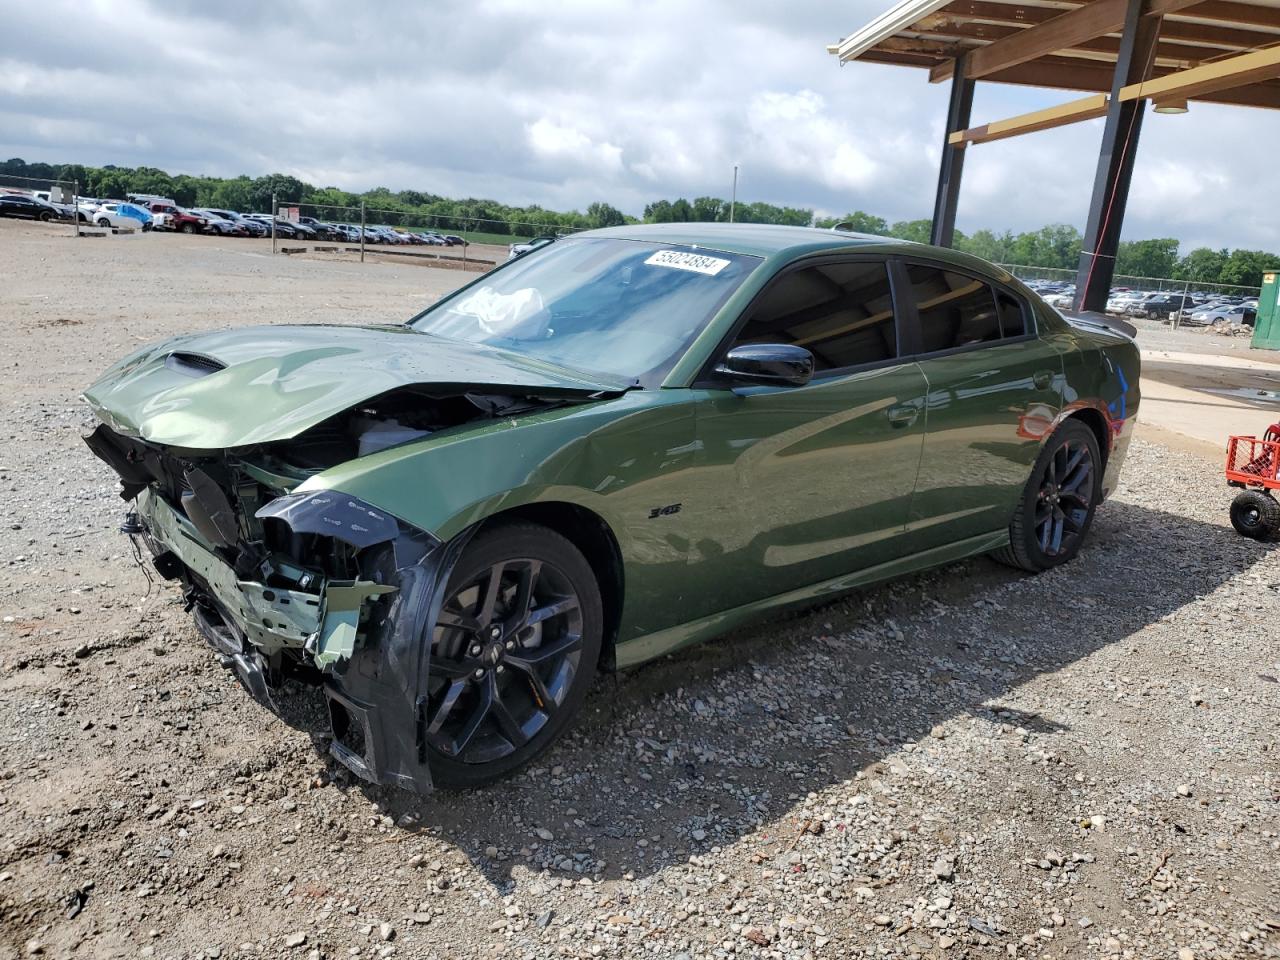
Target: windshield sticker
693	262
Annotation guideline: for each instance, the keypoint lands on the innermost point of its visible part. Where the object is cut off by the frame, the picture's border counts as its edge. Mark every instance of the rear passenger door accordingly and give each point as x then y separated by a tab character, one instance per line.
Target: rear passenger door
994	389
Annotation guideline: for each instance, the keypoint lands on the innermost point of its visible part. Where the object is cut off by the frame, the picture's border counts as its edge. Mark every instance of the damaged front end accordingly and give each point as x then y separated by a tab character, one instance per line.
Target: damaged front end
312	585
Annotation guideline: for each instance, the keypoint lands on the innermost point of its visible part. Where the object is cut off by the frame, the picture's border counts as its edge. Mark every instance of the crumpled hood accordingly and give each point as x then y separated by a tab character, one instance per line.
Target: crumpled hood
236	388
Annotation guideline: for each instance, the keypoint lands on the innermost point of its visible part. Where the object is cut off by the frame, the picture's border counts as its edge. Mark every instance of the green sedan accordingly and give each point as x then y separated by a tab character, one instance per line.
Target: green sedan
618	444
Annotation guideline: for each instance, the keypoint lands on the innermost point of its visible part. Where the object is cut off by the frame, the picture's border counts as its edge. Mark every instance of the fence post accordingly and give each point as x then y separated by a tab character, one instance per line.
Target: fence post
274	209
1176	318
464	248
75	205
362	231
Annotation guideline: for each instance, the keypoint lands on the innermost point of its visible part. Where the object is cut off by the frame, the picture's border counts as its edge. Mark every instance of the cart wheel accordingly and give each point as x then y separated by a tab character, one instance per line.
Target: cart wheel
1255	514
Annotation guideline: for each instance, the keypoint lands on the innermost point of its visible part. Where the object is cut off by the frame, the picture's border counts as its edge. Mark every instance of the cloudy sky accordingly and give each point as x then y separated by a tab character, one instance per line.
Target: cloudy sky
581	100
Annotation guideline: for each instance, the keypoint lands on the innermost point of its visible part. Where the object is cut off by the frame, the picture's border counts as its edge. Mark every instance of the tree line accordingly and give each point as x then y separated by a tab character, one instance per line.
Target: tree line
1055	246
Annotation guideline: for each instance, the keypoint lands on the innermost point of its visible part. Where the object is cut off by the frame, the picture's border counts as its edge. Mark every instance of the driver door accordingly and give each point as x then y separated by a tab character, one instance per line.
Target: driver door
799	484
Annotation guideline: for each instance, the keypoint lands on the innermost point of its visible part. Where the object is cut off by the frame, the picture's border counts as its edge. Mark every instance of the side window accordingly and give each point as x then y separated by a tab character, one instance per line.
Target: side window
958	311
954	310
841	312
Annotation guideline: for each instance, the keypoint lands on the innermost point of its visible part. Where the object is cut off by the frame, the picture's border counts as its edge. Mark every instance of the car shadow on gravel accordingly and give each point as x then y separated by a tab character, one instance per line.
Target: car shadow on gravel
702	747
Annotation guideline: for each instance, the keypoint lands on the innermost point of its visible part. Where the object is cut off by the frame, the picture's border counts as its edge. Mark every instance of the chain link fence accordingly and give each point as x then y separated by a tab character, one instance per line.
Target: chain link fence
1145	284
61	197
468	243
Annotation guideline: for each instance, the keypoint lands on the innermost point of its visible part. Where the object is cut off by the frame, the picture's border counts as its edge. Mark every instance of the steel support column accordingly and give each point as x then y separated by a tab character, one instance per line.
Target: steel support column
1115	160
944	205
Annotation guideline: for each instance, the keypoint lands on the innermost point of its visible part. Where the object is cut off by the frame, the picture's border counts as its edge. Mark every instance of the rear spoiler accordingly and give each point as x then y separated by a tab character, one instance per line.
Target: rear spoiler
1093	320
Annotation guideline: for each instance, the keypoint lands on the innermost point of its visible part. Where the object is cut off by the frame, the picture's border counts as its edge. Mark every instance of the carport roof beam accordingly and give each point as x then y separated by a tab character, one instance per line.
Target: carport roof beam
1074	111
1209	78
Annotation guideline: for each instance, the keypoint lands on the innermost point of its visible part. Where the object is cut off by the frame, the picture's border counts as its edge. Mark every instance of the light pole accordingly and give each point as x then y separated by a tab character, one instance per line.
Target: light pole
733	199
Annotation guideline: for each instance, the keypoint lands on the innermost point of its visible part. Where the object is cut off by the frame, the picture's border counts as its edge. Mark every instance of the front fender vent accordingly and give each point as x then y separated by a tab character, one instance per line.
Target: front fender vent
193	364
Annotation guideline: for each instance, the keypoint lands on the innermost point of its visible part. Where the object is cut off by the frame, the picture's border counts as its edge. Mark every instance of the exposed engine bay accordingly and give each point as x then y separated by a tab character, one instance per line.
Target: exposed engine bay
311	585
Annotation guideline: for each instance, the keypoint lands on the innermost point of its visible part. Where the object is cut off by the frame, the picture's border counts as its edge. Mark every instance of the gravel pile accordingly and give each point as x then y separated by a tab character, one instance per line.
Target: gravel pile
967	763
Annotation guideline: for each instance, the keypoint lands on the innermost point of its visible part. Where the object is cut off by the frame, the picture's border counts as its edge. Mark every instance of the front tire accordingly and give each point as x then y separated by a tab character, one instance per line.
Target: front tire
513	654
1057	504
188	228
1255	514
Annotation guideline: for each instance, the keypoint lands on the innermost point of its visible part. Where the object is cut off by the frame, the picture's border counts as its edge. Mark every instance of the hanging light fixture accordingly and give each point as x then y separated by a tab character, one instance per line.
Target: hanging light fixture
1172	105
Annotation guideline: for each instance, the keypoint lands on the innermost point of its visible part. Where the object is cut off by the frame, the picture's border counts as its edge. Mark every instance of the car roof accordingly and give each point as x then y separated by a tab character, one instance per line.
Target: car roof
754	239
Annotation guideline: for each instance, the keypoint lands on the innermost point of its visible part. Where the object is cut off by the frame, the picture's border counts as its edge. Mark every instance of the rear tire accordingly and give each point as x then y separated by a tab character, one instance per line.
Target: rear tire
1056	508
188	228
513	654
1255	514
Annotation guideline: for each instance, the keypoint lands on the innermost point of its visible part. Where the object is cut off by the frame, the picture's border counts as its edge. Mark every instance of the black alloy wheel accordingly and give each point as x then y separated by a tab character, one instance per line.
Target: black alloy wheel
513	653
1057	505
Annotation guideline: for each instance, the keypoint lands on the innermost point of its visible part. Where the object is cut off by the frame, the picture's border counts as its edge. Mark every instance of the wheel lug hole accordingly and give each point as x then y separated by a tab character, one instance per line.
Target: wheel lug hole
499	668
479	674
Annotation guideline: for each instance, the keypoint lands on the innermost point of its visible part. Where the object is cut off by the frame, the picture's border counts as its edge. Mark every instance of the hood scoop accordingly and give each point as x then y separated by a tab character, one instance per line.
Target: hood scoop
193	364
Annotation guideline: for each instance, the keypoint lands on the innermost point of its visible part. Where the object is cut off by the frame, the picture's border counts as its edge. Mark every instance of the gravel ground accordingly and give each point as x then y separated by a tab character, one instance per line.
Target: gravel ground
967	763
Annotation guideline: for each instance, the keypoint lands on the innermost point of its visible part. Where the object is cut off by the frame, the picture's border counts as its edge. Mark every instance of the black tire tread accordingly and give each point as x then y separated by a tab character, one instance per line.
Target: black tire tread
1016	554
1268	514
500	537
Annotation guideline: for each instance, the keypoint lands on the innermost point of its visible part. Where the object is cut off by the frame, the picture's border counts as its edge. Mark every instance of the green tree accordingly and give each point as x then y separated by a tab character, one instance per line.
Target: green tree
1147	258
710	210
917	230
987	245
858	221
600	214
1245	267
1202	265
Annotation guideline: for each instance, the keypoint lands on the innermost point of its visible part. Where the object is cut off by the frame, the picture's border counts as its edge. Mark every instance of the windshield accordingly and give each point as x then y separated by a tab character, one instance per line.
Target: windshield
621	307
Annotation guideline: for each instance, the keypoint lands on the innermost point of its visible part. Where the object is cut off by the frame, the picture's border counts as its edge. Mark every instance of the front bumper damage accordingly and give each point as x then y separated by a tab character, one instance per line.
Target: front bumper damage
364	640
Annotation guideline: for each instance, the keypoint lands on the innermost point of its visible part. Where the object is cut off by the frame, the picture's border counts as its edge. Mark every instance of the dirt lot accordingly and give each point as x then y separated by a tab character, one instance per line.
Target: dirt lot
969	763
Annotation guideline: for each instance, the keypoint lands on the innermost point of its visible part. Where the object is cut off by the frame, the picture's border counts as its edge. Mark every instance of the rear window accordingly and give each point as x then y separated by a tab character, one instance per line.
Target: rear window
957	310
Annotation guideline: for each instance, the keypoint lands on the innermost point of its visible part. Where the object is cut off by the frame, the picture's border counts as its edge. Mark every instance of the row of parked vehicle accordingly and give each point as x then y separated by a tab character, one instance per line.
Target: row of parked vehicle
1194	308
145	212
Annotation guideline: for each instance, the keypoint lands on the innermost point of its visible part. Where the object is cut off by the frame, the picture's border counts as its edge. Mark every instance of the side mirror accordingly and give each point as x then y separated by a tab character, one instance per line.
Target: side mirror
782	364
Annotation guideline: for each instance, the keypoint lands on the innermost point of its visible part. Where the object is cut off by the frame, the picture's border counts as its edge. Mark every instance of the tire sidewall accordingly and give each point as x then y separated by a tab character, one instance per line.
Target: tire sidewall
1069	430
525	540
1268	510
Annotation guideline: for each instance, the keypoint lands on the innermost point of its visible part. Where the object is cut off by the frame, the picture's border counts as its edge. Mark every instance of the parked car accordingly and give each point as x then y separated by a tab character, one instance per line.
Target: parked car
1231	312
525	246
1118	302
321	230
116	214
176	219
1165	305
638	438
27	207
254	228
224	226
454	241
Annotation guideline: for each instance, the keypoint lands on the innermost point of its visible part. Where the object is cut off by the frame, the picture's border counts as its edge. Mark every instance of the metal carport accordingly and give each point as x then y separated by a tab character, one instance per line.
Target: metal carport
1125	53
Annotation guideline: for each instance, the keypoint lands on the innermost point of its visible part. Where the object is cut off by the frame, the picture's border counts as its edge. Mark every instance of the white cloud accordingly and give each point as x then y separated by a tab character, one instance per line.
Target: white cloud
554	141
568	103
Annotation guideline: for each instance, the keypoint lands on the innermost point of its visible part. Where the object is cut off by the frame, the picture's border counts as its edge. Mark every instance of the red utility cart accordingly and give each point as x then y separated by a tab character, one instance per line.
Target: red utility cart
1254	466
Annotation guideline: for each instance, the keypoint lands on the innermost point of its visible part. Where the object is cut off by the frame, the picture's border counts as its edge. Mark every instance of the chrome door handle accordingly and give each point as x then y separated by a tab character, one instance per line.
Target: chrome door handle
903	415
1042	379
